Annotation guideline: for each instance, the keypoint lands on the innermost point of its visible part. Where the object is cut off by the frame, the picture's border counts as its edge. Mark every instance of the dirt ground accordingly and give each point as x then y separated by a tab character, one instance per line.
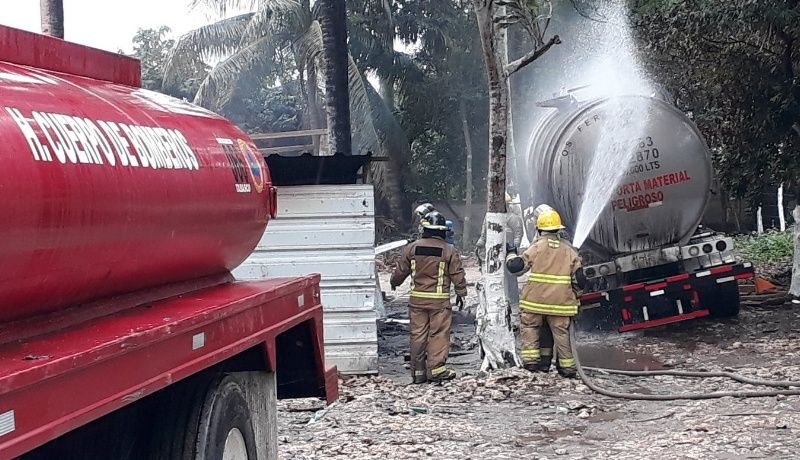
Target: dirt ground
516	414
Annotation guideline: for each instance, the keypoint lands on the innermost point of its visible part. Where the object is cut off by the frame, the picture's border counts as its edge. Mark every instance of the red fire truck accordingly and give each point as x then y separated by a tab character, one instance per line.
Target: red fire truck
122	332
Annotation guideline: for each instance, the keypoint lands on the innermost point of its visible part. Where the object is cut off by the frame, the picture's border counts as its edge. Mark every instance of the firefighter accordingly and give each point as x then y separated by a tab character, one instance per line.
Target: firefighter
433	265
550	295
545	334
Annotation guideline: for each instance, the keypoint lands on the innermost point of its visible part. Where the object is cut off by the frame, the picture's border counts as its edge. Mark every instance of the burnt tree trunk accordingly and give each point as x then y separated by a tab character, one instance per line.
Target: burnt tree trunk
494	324
52	17
334	41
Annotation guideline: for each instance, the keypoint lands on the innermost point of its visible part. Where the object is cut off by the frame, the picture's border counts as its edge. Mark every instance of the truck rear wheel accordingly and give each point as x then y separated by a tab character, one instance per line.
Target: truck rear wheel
205	419
722	300
226	426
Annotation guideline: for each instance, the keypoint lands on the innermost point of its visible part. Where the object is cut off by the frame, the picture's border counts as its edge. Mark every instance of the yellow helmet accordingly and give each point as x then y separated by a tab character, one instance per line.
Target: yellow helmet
549	220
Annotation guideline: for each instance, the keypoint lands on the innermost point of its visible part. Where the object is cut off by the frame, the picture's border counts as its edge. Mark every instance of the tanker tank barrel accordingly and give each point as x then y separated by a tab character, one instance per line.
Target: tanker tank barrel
110	188
649	178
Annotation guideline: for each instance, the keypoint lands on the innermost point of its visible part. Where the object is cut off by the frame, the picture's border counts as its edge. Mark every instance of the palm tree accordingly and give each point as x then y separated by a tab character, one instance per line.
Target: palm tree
334	39
247	44
52	17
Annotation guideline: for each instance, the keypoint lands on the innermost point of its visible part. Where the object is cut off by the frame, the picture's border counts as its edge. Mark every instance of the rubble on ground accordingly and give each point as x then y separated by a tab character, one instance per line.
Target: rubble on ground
512	413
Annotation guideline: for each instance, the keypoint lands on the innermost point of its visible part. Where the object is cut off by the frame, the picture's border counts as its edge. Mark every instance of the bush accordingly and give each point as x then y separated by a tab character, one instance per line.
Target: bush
772	246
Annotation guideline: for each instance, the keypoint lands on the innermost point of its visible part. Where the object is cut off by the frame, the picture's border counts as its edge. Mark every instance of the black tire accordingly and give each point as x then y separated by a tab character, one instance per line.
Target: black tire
225	416
722	301
195	418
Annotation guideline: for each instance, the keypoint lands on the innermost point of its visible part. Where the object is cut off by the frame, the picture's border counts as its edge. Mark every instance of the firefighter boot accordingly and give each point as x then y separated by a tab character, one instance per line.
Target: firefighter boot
567	372
419	376
442	373
544	363
531	366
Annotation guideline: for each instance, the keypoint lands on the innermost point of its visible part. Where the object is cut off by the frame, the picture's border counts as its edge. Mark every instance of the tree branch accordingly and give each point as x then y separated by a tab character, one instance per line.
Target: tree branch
532	55
585	14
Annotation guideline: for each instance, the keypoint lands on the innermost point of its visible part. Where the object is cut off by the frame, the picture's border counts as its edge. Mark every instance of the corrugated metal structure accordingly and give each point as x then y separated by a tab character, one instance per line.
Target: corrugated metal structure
330	230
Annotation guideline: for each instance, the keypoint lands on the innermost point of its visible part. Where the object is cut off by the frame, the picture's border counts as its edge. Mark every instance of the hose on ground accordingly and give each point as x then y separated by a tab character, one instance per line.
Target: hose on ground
678	396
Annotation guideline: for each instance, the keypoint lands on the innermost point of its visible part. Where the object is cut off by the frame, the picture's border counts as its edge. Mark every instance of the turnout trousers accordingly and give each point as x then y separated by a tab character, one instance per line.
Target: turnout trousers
533	352
430	339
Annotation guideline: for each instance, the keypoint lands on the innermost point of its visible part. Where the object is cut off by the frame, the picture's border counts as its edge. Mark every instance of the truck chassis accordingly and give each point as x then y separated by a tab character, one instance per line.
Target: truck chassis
64	371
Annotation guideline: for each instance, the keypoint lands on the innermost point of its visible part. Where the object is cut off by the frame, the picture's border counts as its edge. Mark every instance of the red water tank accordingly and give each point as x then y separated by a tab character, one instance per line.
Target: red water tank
108	188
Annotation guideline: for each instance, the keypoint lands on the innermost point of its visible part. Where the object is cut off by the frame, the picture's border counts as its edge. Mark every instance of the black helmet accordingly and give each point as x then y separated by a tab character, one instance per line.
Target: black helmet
434	221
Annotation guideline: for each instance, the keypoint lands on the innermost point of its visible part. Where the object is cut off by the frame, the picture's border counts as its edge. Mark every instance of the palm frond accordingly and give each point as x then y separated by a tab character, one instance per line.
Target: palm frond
402	70
217	89
221	7
209	42
282	19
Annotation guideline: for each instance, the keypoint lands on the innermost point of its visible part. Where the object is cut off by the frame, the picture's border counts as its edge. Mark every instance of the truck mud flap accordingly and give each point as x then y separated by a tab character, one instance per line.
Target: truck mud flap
669	300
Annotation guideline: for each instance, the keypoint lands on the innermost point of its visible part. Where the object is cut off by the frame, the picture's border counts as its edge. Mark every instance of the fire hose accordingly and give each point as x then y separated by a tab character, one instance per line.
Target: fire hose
676	373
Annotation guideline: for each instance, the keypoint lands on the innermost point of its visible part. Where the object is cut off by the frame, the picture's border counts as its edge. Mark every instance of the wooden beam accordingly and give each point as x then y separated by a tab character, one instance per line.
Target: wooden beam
288	148
287	134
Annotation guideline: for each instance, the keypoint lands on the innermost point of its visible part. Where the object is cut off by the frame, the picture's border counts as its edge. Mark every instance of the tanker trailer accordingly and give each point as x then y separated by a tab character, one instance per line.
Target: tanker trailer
648	260
122	332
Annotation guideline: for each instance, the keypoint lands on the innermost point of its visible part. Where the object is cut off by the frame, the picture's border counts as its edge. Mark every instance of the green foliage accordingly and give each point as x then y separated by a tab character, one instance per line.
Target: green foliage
268	109
444	71
152	49
732	64
433	157
439	68
772	246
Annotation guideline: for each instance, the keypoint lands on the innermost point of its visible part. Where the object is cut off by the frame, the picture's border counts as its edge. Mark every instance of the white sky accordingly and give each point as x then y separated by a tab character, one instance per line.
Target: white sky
108	24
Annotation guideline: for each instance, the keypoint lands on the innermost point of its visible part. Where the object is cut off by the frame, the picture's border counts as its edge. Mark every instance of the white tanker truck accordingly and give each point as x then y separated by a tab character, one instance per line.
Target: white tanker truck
648	260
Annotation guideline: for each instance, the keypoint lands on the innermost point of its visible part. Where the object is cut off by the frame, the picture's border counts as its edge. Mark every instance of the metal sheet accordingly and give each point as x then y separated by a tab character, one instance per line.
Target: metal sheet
328	230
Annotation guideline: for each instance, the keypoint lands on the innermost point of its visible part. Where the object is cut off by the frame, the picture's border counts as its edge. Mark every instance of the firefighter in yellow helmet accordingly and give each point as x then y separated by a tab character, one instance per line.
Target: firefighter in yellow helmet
551	293
433	265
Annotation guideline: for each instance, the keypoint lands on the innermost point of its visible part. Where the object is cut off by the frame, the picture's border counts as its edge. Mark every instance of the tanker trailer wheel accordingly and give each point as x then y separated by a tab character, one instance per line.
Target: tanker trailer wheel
208	420
722	300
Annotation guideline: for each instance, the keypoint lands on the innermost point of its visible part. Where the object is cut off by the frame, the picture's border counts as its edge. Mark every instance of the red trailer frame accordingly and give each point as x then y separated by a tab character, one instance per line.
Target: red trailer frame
63	371
629	304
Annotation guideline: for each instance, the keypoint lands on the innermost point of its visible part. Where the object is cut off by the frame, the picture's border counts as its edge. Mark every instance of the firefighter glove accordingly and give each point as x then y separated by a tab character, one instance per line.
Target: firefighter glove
515	264
580	279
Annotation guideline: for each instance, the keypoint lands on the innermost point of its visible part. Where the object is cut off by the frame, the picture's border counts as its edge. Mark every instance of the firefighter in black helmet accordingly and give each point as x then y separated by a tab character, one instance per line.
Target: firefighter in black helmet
433	265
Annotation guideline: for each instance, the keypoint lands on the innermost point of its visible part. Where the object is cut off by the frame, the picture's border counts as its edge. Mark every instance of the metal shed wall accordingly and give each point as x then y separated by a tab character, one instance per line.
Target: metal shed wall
330	230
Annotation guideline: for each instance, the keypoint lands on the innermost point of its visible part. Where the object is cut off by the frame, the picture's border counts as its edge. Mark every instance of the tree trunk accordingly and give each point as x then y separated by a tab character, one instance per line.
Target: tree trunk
334	40
387	92
315	118
512	175
781	215
52	17
759	221
494	314
466	236
795	286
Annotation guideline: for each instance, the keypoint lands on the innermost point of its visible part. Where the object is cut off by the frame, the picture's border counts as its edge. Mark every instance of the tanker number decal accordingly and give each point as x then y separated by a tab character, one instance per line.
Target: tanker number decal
71	139
646	157
246	169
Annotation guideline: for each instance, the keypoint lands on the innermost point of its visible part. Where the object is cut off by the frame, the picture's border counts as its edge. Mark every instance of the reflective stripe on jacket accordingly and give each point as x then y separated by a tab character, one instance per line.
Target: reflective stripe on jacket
549	291
433	265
